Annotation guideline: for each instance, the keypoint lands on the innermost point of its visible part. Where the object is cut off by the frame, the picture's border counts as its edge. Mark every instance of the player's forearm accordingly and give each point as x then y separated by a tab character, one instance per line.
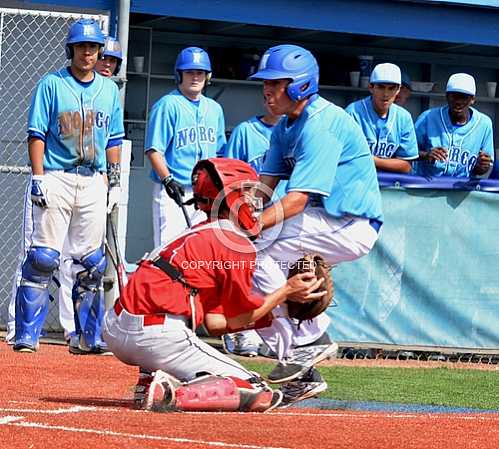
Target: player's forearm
270	182
393	164
113	155
158	163
292	204
36	150
271	301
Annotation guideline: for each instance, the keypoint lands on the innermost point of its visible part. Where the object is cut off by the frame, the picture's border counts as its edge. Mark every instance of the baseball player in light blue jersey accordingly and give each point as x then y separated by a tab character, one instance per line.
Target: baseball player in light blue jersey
388	128
456	139
75	128
332	205
250	140
108	65
184	127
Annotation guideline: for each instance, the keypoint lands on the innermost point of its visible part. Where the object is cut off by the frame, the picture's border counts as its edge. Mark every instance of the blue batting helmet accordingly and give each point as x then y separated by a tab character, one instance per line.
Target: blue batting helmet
192	58
290	62
112	48
83	30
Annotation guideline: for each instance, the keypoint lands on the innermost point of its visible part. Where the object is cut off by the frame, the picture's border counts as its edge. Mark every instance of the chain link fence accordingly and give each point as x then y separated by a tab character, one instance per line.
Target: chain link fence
31	45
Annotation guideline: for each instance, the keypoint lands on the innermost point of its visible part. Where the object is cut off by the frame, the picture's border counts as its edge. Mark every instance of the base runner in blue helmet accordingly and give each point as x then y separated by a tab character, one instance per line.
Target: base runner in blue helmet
332	205
75	129
184	127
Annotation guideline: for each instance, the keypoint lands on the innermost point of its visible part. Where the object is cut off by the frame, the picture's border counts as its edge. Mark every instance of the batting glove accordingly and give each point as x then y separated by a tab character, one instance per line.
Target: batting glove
113	198
174	189
38	191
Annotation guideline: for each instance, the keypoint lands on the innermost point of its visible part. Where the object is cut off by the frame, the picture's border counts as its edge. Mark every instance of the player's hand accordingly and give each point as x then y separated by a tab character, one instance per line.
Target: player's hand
38	191
174	189
483	163
303	287
438	154
113	197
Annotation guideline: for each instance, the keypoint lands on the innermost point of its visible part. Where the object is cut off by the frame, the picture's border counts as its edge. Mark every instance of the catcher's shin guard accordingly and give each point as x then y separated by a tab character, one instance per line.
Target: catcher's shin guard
88	301
210	393
32	297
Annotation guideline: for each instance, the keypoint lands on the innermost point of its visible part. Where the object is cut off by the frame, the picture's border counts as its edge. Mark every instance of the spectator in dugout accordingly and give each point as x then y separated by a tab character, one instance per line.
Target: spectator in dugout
455	139
388	128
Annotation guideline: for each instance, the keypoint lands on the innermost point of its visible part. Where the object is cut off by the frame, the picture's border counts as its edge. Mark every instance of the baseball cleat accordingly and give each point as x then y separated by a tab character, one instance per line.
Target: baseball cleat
241	343
310	385
25	348
300	360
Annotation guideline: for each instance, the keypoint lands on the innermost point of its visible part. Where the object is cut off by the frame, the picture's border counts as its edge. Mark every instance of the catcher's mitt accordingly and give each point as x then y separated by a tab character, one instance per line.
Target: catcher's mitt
308	310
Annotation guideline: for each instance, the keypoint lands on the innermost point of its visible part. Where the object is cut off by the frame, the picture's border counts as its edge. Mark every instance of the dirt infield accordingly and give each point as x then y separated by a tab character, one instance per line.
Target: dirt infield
52	399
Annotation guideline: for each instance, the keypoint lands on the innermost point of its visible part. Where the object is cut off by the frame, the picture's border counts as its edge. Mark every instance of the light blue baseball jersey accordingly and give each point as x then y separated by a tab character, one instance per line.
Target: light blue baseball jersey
463	143
185	131
249	142
77	120
324	152
393	137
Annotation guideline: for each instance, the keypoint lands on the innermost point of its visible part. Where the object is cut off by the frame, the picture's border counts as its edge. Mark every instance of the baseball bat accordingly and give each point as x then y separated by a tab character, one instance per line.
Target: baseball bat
186	215
120	266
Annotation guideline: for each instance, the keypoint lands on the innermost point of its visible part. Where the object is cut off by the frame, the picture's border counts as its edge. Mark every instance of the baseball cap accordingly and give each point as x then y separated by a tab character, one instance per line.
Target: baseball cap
386	73
462	83
406	80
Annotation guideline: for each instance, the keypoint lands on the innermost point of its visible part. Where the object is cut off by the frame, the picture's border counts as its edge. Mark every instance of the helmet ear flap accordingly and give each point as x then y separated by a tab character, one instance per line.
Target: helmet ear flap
117	69
69	51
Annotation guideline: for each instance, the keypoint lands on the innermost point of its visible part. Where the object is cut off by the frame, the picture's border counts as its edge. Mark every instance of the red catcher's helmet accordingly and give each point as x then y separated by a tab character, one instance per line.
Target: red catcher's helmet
229	180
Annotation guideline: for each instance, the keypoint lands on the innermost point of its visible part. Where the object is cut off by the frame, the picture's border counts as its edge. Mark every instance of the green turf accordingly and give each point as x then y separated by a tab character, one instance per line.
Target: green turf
430	386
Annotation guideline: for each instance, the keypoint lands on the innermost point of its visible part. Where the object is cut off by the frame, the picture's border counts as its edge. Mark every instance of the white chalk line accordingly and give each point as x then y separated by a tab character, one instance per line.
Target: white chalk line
58	411
137	436
10	419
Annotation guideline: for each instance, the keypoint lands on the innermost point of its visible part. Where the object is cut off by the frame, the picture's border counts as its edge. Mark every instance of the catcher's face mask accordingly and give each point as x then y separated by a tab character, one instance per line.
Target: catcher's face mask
245	207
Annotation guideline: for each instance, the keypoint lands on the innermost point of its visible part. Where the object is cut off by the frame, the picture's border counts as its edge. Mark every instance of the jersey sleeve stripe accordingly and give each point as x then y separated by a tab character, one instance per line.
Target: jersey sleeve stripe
306	190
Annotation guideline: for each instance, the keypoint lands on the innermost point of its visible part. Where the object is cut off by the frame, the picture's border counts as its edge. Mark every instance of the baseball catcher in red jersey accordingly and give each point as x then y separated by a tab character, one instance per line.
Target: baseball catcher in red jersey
206	271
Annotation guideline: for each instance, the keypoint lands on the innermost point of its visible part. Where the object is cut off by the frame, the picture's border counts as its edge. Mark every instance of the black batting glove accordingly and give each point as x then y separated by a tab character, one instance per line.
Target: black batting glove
174	189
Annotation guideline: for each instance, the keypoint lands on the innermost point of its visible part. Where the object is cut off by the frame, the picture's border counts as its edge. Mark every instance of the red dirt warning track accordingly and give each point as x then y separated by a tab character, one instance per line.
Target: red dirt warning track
52	399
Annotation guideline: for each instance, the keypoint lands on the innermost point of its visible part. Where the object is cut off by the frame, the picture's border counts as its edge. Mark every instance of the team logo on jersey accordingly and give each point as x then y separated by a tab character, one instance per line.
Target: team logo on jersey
193	135
71	122
102	120
461	158
382	149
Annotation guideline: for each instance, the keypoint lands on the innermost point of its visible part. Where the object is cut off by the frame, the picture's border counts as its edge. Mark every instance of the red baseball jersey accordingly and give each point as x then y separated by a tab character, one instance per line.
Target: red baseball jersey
214	258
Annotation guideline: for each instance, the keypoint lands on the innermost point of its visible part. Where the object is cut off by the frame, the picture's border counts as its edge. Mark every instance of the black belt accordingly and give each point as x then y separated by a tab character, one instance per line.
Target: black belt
82	170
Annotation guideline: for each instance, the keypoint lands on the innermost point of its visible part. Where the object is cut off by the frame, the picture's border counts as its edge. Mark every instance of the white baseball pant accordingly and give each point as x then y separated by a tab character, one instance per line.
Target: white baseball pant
313	231
167	217
170	346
